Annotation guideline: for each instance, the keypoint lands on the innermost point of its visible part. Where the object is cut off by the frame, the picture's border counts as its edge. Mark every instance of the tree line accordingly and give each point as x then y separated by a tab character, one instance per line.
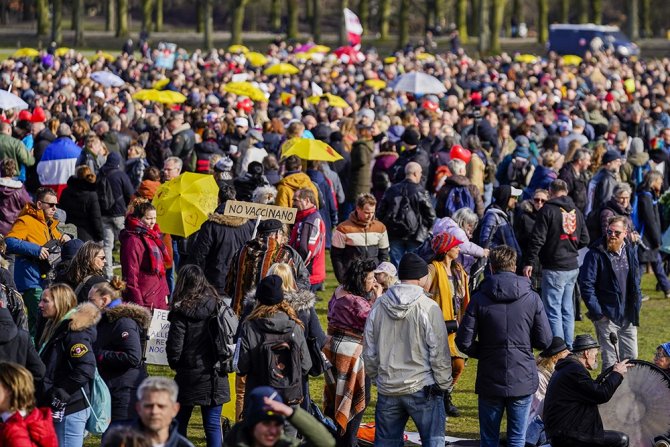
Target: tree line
382	20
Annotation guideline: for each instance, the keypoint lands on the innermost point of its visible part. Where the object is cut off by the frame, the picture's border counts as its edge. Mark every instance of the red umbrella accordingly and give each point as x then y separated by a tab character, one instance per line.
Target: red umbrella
349	55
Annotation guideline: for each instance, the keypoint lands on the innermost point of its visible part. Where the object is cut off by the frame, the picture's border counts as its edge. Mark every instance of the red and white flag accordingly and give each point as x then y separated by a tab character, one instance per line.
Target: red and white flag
353	26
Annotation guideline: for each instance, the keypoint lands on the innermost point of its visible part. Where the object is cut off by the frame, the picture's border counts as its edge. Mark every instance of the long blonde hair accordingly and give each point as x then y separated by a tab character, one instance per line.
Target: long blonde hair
265	311
285	272
64	300
20	384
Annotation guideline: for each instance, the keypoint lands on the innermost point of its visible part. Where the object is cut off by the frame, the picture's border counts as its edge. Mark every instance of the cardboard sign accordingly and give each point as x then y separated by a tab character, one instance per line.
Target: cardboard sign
259	211
158	334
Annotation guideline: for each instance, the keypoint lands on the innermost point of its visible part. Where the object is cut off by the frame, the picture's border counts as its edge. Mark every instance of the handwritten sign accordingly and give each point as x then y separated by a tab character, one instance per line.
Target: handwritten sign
158	334
259	211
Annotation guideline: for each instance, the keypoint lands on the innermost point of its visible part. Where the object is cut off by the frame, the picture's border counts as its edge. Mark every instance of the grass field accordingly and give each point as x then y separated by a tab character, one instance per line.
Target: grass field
654	329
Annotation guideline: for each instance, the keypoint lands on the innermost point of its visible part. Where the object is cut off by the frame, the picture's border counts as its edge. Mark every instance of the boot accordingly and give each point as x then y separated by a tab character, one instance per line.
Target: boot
451	409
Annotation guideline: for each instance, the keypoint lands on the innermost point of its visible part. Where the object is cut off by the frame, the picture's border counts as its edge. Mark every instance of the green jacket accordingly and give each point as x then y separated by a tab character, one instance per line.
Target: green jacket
11	147
361	175
313	432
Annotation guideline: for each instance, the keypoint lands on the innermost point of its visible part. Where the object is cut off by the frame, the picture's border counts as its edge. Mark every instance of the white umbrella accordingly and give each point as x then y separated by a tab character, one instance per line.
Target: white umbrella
419	83
11	101
107	79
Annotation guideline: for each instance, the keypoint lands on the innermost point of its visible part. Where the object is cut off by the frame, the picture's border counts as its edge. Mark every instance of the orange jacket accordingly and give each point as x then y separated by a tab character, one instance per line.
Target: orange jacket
31	226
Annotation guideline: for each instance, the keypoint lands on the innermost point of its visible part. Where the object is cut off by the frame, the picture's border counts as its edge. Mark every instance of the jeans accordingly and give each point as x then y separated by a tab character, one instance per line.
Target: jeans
557	295
70	431
535	434
659	272
393	412
490	415
627	334
399	247
111	226
211	422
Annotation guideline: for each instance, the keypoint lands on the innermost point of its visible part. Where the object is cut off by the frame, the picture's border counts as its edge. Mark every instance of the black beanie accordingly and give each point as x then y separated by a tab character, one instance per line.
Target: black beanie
412	267
269	291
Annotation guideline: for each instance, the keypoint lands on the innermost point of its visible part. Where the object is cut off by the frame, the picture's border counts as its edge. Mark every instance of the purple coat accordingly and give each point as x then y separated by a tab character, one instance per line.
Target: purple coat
347	312
13	196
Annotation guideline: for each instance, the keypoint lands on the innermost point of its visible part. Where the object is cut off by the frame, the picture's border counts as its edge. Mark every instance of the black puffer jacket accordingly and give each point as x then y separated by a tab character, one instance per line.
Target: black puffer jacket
16	346
216	243
572	399
69	359
192	355
119	350
420	203
120	183
80	202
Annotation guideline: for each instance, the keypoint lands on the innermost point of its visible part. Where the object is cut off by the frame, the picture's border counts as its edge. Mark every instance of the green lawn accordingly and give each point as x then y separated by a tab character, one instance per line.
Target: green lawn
653	331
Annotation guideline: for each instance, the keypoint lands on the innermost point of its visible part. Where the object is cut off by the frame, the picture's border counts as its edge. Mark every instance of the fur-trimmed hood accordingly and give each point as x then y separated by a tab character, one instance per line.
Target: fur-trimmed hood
229	221
85	315
299	300
139	314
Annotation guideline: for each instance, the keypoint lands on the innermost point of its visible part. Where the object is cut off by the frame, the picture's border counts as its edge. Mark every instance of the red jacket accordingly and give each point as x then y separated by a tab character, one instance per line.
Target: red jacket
35	430
309	240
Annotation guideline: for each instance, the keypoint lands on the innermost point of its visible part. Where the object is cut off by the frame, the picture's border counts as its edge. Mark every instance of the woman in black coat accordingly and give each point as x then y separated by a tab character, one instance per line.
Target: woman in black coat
119	348
79	200
192	354
647	221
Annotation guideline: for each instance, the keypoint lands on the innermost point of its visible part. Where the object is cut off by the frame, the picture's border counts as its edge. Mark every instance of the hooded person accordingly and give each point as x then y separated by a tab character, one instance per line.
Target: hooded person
496	226
412	373
267	416
636	165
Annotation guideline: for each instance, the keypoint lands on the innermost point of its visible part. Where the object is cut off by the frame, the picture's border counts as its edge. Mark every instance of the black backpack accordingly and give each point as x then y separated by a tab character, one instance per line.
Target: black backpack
280	365
402	220
105	193
222	327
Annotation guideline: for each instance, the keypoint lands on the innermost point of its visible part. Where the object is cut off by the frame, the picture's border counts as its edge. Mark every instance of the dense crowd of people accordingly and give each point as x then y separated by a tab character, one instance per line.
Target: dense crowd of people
472	222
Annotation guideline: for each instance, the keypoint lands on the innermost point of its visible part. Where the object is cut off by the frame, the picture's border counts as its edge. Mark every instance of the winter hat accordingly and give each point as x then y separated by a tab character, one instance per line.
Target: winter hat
224	164
269	226
412	267
584	342
255	406
459	152
38	115
444	242
386	267
255	169
636	154
611	155
557	345
395	133
522	141
70	249
411	137
665	347
25	115
269	291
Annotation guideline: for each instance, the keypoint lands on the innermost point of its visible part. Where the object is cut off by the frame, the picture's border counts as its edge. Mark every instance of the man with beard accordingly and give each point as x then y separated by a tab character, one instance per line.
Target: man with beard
571	415
609	281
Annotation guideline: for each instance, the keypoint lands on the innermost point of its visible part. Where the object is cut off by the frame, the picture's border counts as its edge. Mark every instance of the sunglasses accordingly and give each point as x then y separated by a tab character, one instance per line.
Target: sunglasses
539	200
614	233
50	204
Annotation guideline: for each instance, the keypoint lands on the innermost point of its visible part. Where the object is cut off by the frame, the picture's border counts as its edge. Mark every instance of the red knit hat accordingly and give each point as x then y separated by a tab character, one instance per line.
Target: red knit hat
38	115
444	242
460	153
25	115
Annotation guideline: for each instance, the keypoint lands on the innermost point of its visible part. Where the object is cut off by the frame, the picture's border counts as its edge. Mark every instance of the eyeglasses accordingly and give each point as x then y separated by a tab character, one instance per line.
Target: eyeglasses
614	233
538	200
50	204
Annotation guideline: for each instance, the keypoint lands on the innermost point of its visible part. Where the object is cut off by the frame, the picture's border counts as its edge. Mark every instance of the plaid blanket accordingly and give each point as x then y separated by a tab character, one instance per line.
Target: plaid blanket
344	392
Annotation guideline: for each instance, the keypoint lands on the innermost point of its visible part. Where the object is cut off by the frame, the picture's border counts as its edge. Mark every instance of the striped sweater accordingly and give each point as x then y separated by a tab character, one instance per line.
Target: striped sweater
354	239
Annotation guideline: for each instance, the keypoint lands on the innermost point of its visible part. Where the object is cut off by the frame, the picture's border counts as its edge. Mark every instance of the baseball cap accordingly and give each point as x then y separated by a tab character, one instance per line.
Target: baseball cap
386	267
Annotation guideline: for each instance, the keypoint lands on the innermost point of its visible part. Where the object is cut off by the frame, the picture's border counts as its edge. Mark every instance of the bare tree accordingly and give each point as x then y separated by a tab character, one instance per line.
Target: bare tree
645	18
584	10
147	15
110	15
565	11
275	15
498	10
208	28
633	13
316	19
292	26
159	15
462	19
343	29
597	11
542	21
57	21
42	17
364	14
77	16
484	27
403	23
237	21
384	18
122	18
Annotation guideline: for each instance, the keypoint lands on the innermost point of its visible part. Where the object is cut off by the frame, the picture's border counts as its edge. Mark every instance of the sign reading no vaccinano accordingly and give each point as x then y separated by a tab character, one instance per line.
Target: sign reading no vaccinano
259	211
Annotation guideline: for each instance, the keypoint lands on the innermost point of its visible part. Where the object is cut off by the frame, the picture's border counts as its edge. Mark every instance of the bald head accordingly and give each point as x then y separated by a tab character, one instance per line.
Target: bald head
413	172
5	128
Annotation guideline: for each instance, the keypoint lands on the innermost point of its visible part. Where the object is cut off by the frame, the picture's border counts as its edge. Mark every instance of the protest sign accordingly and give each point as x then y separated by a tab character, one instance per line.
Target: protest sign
158	334
259	211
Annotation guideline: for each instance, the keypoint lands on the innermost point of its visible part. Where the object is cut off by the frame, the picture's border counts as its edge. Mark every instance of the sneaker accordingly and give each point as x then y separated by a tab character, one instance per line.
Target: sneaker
667	294
646	297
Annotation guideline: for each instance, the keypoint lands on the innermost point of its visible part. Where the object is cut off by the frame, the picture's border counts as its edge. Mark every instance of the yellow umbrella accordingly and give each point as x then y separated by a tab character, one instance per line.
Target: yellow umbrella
106	56
319	49
390	60
147	95
245	89
238	49
26	52
184	203
333	100
160	84
526	58
571	59
303	56
376	84
62	51
424	57
256	59
310	149
170	97
281	69
286	96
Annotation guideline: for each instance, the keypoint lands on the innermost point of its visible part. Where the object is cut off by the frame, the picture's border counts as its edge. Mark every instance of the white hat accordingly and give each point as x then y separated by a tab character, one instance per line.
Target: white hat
99	94
516	192
386	267
241	122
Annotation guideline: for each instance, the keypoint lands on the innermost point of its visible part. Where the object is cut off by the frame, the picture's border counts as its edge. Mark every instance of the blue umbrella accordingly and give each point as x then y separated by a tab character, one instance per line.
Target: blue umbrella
107	79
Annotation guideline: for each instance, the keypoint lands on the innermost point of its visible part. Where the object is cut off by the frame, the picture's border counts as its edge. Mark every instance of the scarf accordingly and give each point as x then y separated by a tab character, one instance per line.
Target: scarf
153	242
453	305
